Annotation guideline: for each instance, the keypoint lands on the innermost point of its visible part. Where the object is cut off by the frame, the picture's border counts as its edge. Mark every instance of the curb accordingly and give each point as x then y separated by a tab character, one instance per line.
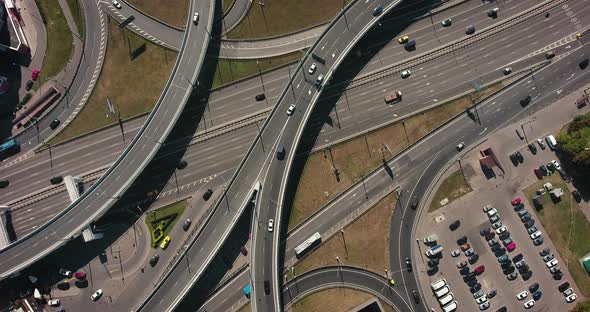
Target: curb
279	36
154	18
231	27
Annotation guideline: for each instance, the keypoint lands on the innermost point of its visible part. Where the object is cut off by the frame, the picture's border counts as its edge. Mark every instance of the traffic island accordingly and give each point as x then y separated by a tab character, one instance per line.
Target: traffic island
335	299
161	221
453	187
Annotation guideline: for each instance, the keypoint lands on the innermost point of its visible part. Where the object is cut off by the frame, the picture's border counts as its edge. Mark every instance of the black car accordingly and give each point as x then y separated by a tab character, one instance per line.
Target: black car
496	247
533	148
577	196
260	97
557	275
525	218
528	274
475	288
472	282
563	286
509	271
514	159
4	184
517	258
54	124
519	157
409	264
154	260
583	64
502	309
505	265
29	85
518	206
432	270
63	285
504	235
266	287
455	225
81	283
523	269
473	259
56	180
537	295
493	12
534	287
462	240
207	194
416	297
544	170
414	203
464	270
529	223
500	252
470	30
468	278
544	252
433	262
484	231
525	101
186	225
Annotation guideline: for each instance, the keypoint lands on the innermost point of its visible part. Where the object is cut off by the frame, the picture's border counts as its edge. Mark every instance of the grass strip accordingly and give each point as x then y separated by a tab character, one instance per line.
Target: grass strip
172	12
228	71
567	227
132	85
78	16
279	17
59	40
452	188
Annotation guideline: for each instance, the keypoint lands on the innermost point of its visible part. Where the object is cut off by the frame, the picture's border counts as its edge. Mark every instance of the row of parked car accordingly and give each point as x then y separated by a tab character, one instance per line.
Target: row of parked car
443	293
470	277
528	222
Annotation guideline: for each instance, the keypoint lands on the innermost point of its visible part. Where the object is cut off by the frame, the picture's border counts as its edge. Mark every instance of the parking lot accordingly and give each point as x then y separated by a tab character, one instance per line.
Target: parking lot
498	193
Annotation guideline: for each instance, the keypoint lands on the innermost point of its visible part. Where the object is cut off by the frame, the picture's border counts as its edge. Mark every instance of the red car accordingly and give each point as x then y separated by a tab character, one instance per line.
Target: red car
35	74
479	269
511	246
81	275
515	201
538	173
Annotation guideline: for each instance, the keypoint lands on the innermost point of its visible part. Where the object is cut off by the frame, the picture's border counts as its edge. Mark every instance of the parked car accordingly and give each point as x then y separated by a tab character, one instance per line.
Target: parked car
548	257
514	159
541	144
154	260
66	273
512	276
207	194
521	295
165	242
464	270
456	253
571	298
480	269
519	156
577	196
503	258
563	286
492	293
455	225
186	224
501	229
517	258
556	165
533	148
96	295
35	74
462	240
29	85
529	304
538	173
551	263
544	252
473	259
461	264
538	241
64	285
469	252
81	275
529	223
510	247
534	287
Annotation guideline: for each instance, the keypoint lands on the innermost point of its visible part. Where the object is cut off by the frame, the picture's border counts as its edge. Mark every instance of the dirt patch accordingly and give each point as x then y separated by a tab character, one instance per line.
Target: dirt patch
357	246
452	188
173	12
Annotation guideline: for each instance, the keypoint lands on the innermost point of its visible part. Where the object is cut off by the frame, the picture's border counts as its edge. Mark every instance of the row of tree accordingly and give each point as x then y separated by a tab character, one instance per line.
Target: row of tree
575	143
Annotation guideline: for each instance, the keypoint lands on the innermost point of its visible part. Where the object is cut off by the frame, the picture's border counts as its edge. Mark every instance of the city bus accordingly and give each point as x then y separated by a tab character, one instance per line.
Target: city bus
9	148
313	240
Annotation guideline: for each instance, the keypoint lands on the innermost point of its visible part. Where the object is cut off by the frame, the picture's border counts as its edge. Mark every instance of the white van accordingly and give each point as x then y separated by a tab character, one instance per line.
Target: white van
551	142
431	239
438	284
442	292
446	299
450	307
434	251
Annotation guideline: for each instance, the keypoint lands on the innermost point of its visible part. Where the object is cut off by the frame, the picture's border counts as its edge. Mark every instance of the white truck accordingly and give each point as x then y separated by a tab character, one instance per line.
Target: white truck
434	251
431	239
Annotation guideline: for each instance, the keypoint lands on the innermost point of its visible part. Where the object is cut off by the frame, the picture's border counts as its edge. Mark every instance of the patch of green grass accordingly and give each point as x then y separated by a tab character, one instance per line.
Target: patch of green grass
167	216
567	227
452	188
78	16
228	71
582	306
59	39
173	12
133	85
279	17
334	299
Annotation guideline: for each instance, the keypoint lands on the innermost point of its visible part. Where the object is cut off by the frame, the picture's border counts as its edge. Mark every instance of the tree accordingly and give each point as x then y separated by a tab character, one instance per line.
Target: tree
575	144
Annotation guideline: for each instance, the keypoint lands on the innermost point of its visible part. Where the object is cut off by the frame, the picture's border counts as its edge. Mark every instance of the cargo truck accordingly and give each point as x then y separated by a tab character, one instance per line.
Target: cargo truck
393	97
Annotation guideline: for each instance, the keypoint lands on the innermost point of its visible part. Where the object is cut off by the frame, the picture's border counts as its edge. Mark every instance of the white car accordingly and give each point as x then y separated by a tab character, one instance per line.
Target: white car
556	165
487	208
492	212
529	304
521	295
65	273
312	69
461	264
406	73
551	263
541	143
507	70
501	229
456	253
196	18
536	234
571	298
53	303
96	295
319	80
117	4
271	224
568	292
460	146
481	299
290	110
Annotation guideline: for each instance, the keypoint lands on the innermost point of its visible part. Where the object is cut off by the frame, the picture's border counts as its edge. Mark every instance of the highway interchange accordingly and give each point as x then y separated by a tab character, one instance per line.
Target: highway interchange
223	108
